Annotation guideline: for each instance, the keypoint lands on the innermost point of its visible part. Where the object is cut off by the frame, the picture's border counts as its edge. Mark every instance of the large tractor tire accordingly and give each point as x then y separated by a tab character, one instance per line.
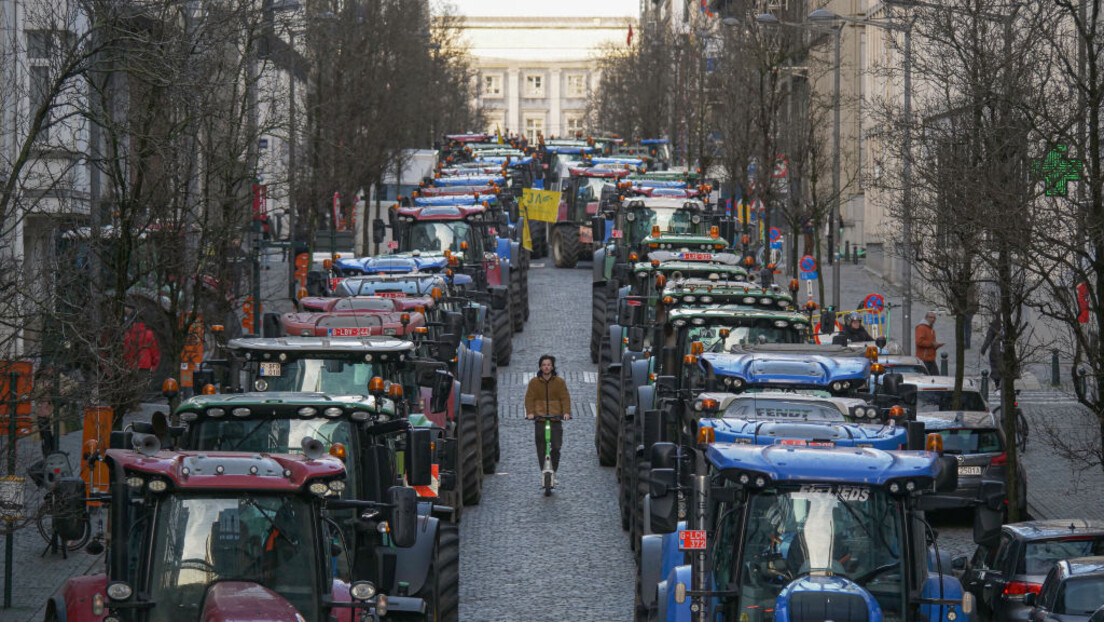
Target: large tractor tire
471	455
441	590
503	335
525	286
517	309
626	459
488	422
641	486
599	316
565	246
609	415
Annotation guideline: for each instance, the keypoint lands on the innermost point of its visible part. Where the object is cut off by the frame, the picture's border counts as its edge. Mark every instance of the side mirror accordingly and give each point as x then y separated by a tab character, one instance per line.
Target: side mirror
419	457
663	504
404	515
880	342
379	231
1030	599
917	434
636	339
665	385
442	389
446	349
891	384
664	455
499	298
947	478
958	563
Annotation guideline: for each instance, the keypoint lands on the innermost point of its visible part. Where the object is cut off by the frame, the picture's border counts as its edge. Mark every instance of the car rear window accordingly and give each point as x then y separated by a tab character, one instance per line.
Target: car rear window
1040	555
1081	596
971	441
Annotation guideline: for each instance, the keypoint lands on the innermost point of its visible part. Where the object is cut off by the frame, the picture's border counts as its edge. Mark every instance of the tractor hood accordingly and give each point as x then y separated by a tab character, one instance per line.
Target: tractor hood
392	264
809	370
817	597
244	601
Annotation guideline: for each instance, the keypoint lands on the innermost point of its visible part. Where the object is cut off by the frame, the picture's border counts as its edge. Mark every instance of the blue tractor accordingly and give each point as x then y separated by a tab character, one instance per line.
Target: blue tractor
785	533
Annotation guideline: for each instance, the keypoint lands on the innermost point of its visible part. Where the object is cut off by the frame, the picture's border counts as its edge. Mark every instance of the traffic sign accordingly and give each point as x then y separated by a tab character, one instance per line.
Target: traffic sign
775	234
874	303
808	264
808	276
777	244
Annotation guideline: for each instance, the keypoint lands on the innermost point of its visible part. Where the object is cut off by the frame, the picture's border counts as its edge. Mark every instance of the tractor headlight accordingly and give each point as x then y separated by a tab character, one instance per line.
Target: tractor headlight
337	486
119	591
332	412
158	485
215	413
748	300
630	216
689	298
362	590
319	488
260	385
707	299
308	411
135	482
240	412
696	219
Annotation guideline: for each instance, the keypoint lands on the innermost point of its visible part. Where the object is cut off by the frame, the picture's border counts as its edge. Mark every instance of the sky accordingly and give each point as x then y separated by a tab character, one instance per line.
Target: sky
527	8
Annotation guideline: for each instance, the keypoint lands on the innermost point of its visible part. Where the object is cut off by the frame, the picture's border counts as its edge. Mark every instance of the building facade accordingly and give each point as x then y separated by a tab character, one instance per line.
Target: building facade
535	73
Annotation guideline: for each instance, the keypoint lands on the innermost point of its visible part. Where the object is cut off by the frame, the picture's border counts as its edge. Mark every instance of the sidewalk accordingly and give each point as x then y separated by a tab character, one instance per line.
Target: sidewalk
39	574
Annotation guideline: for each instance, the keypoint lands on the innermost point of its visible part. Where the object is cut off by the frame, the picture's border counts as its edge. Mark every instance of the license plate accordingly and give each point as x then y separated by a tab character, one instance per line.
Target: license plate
616	234
270	369
692	540
969	470
391	294
392	245
696	256
350	332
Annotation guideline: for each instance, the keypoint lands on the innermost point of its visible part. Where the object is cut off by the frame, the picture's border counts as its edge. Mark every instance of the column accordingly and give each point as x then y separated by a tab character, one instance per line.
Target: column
555	102
513	101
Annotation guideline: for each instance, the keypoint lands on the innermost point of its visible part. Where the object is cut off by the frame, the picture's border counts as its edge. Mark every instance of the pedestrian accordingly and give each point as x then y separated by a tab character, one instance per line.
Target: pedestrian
547	395
926	345
854	331
994	343
51	388
971	311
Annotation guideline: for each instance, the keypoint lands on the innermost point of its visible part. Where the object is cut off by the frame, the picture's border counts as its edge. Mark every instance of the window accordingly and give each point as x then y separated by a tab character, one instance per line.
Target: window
496	122
534	125
576	85
492	85
534	86
39	92
573	124
44	44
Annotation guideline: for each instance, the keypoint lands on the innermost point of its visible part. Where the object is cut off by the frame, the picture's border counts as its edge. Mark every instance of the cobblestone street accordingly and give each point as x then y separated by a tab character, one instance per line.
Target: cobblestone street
529	557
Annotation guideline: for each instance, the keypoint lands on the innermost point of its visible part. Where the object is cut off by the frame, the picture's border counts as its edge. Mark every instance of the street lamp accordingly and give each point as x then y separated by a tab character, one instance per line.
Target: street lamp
824	15
770	20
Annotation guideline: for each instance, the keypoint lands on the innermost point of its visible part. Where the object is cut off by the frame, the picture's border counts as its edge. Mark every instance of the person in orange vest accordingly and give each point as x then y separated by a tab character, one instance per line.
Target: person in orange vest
140	348
926	345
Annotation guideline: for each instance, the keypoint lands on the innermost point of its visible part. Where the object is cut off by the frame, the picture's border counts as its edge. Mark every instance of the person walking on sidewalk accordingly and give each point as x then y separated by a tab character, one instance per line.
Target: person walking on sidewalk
994	339
547	395
926	345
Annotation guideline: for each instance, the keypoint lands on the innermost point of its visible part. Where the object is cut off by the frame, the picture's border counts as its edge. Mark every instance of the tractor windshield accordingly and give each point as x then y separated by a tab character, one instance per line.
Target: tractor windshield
724	339
278	436
640	221
439	235
823	529
264	539
333	377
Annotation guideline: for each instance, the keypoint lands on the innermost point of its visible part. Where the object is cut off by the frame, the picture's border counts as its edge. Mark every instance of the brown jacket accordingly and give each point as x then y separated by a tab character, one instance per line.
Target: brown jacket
547	398
925	342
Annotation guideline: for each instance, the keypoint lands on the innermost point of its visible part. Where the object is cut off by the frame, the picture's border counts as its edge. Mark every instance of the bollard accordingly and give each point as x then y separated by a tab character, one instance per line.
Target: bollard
1054	371
1081	374
846	249
985	383
855	254
943	364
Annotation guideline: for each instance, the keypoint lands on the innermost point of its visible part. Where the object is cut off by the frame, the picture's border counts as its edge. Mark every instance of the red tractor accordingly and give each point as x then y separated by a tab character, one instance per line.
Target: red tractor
209	536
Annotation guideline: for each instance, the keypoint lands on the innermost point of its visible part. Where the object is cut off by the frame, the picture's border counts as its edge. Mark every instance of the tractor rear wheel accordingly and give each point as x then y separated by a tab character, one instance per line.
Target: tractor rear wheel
609	415
488	422
565	245
503	335
471	455
598	295
517	317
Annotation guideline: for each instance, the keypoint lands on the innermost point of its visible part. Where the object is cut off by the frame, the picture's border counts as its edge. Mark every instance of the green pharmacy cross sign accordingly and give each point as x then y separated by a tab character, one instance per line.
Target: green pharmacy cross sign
1057	170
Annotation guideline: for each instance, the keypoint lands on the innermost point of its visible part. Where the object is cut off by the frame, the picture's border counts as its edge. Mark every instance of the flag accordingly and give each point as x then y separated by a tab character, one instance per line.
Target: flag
628	41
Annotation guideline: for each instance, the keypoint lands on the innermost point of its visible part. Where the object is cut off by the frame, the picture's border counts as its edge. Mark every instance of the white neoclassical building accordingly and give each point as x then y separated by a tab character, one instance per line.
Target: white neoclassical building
535	73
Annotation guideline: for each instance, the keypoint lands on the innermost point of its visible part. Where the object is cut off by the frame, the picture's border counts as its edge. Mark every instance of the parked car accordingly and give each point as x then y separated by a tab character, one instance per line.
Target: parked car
1072	592
1002	573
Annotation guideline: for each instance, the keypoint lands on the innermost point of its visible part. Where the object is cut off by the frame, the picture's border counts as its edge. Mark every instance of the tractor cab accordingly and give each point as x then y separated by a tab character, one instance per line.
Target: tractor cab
772	529
201	536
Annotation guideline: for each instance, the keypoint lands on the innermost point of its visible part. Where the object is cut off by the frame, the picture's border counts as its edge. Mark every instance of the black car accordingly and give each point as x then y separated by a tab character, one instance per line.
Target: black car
1072	592
976	440
1000	575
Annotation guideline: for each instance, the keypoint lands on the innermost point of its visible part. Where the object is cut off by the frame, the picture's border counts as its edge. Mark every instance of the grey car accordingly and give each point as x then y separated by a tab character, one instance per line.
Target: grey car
1072	592
976	440
1000	575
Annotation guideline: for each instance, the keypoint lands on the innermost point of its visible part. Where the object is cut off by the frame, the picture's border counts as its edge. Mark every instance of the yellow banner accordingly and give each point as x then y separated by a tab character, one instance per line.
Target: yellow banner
542	205
526	237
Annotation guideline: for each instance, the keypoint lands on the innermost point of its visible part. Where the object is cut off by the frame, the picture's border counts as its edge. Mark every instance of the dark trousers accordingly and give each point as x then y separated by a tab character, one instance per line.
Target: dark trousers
932	369
557	440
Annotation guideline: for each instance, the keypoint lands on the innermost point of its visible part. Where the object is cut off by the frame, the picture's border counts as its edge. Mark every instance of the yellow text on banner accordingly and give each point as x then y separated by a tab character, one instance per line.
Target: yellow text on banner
542	205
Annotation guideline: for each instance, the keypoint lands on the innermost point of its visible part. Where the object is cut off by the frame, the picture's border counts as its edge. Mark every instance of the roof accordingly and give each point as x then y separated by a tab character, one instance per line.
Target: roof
692	260
730	313
800	369
398	263
1081	566
924	382
805	464
822	433
441	212
663	203
206	470
960	419
272	403
319	347
1037	529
